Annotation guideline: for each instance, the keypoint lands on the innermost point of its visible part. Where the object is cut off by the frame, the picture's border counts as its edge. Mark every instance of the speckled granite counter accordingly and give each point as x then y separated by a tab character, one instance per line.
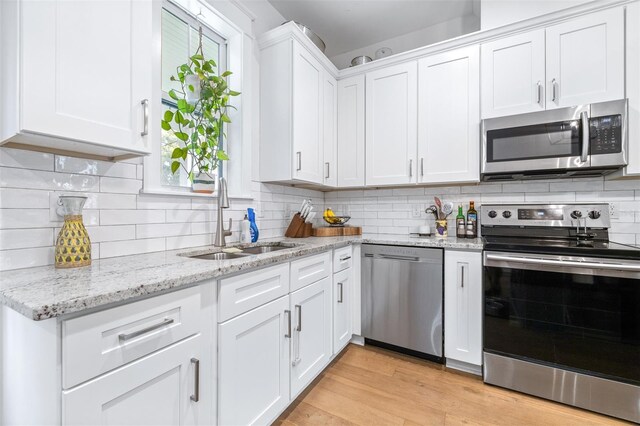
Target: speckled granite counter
46	292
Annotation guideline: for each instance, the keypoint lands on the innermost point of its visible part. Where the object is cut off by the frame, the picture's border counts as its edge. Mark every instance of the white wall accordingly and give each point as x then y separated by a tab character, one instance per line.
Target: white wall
496	13
429	35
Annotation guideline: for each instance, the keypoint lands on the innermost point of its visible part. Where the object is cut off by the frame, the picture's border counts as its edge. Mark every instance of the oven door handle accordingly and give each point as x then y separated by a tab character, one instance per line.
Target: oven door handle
584	152
565	263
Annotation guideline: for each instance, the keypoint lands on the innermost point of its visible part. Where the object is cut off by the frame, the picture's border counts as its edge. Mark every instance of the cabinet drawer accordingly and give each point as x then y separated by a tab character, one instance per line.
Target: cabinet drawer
309	270
244	292
99	342
342	259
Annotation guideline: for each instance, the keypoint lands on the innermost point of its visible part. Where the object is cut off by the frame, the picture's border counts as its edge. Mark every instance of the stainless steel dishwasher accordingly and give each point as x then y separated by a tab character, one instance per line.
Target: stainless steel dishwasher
402	299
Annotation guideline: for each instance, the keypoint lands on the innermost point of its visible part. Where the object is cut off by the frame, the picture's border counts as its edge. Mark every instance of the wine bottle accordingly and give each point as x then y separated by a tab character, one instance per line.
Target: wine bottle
460	224
472	219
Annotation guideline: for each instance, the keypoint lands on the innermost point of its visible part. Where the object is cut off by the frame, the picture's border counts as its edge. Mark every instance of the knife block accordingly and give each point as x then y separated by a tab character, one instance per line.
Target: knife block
298	228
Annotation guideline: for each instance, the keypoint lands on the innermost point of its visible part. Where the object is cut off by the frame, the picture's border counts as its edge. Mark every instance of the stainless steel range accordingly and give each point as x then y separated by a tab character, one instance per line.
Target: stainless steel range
562	307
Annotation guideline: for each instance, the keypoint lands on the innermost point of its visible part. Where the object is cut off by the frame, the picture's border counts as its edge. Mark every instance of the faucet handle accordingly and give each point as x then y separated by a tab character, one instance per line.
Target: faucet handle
228	230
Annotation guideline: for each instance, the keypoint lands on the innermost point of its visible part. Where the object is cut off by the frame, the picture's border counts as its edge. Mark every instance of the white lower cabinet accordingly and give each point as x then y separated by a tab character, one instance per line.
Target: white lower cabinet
463	308
311	322
160	389
253	367
342	301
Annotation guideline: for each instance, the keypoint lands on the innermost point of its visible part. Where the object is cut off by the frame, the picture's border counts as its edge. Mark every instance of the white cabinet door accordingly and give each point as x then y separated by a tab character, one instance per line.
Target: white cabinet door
449	125
86	68
463	306
159	389
342	308
311	345
351	131
330	129
513	70
585	59
253	365
391	125
633	88
307	116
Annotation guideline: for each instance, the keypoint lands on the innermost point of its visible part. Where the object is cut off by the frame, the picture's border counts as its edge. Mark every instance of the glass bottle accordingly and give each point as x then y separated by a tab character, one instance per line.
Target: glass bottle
472	219
461	232
73	246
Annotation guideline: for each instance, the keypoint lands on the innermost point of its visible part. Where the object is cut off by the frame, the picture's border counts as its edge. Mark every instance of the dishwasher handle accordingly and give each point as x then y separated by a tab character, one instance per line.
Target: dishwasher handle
400	258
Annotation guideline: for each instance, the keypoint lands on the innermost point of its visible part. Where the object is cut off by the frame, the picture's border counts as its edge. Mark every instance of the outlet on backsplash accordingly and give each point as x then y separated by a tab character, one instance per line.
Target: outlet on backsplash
613	211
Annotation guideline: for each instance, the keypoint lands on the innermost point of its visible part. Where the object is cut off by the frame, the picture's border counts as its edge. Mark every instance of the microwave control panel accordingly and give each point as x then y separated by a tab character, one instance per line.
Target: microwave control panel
606	134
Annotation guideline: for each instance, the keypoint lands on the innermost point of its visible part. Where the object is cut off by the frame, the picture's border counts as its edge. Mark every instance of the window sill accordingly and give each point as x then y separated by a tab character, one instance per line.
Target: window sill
188	194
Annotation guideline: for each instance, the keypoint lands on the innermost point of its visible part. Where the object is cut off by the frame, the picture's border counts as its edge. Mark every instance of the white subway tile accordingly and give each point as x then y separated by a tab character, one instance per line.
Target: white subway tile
120	186
483	188
502	198
580	185
162	230
94	167
25	238
565	197
26	258
186	241
37	179
131	217
99	234
156	202
125	248
525	187
190	216
606	196
12	198
140	172
24	218
633	184
25	159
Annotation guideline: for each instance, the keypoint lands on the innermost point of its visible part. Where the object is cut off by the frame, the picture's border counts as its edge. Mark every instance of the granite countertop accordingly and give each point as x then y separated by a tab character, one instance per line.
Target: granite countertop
45	292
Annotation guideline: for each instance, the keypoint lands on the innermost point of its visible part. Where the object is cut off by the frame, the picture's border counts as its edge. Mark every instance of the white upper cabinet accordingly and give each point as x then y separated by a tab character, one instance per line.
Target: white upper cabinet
330	129
308	85
513	75
351	132
391	125
585	59
78	76
449	117
633	88
298	101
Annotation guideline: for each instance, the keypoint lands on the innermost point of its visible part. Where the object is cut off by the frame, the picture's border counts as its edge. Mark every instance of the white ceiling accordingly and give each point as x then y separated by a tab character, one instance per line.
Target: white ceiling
351	24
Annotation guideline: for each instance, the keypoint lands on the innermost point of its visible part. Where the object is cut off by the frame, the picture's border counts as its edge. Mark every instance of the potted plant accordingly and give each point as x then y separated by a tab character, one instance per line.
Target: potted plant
198	122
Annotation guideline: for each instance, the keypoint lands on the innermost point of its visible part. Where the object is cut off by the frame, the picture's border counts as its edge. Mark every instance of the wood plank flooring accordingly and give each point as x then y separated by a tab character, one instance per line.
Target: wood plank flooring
371	386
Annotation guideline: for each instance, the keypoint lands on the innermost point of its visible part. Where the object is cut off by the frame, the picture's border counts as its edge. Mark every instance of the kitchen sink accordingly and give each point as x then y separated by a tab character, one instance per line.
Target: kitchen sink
220	256
264	249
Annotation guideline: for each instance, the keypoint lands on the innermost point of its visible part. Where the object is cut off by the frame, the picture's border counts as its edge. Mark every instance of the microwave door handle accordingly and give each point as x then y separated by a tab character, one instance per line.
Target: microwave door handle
584	153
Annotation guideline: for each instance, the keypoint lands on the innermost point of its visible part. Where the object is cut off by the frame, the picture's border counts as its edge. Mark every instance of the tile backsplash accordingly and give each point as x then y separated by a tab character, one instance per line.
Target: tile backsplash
121	221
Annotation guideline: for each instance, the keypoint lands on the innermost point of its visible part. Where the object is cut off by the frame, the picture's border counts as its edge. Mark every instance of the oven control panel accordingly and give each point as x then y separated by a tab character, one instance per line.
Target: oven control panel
558	215
606	134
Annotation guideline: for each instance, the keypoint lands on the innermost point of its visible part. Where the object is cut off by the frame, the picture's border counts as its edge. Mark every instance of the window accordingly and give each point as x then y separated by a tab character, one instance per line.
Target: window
179	42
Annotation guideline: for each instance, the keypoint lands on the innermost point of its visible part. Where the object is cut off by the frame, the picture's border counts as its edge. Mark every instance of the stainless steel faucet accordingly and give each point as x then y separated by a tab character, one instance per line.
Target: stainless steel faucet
223	203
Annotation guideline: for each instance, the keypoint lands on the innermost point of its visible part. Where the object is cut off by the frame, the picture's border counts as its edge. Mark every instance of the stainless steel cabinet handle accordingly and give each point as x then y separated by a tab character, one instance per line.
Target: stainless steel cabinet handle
125	337
584	118
327	174
554	90
299	158
345	258
410	168
196	385
422	166
462	276
288	314
145	122
299	310
539	89
339	292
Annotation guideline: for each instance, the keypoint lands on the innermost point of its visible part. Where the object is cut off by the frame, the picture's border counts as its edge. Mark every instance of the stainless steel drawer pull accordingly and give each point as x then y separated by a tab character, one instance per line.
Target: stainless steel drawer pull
196	384
339	292
345	258
288	314
299	309
125	337
554	90
145	122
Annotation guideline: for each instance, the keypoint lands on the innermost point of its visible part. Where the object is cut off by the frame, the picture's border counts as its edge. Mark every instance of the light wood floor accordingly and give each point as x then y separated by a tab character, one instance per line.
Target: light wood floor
370	386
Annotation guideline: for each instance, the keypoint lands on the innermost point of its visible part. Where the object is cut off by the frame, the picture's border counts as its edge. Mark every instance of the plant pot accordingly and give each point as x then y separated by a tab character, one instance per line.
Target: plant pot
203	183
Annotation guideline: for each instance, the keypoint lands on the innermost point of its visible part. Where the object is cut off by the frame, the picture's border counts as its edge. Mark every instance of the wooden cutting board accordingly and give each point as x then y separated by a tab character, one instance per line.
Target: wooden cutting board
336	231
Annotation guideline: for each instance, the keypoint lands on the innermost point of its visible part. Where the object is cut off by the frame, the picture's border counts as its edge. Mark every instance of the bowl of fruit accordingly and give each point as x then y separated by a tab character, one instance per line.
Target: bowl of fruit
334	220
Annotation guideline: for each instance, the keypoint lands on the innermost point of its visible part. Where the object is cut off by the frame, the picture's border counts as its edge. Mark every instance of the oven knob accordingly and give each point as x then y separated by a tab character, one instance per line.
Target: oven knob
492	214
506	214
576	214
594	214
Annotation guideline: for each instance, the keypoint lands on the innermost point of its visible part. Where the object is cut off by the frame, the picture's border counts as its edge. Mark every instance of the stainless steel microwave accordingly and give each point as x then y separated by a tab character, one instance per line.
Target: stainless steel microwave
587	140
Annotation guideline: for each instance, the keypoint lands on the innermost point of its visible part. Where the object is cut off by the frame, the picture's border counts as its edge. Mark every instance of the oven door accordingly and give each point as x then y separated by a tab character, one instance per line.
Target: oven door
547	140
578	314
